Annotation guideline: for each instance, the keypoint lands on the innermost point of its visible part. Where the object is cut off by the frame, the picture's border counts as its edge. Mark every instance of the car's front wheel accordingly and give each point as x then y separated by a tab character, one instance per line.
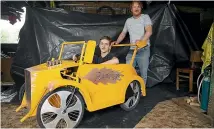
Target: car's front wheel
60	109
21	92
132	98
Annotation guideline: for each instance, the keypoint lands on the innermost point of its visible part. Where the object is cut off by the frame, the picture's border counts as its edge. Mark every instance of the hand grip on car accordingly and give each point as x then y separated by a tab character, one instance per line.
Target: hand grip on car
139	44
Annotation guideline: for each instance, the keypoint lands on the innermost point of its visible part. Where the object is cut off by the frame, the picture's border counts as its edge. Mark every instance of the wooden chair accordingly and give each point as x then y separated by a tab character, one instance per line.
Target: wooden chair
195	57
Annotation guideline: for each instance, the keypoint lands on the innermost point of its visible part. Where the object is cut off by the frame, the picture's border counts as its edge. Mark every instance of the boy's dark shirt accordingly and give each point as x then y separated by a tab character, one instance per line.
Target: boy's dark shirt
98	59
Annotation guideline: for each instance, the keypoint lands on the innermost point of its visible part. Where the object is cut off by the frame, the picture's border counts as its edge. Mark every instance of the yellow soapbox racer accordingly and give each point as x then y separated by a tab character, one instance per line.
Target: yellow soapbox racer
59	91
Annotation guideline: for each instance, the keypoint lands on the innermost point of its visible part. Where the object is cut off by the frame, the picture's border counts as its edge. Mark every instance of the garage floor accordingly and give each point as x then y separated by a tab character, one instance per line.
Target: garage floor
111	117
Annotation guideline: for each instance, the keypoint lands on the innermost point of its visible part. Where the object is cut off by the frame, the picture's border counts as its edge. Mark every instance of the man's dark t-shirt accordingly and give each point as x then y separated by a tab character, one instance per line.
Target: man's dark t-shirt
98	59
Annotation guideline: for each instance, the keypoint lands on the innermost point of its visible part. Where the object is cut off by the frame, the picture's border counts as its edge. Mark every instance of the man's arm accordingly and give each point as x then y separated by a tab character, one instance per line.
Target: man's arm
121	37
143	41
148	28
122	34
114	60
148	33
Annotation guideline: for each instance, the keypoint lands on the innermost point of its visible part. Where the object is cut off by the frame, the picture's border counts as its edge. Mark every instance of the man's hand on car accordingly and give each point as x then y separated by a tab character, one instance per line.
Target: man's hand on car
114	43
141	43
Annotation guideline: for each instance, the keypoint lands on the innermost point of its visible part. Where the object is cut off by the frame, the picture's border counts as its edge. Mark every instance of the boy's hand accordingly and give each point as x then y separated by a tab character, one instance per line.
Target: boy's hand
74	57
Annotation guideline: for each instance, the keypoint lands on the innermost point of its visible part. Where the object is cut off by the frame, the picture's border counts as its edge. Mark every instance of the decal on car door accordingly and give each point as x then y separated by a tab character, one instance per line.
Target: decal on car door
103	75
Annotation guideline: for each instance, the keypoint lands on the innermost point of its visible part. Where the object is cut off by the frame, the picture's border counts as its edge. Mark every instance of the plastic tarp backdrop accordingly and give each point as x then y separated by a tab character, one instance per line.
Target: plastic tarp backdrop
45	29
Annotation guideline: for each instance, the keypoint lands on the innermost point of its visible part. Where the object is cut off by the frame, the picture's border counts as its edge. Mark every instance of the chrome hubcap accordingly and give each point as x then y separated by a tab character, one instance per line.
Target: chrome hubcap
57	112
134	98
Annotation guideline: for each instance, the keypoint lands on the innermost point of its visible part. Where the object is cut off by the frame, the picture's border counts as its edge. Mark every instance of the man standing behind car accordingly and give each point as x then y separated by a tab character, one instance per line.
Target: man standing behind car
139	27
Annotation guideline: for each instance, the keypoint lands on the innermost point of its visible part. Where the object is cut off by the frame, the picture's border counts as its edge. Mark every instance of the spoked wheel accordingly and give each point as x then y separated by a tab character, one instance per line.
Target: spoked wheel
133	94
58	109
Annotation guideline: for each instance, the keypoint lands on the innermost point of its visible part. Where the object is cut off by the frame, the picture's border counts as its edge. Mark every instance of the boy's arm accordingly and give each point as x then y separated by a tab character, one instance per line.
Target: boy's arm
114	60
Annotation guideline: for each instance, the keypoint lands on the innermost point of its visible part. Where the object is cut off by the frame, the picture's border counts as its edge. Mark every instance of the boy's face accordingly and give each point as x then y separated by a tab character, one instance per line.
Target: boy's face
136	9
104	45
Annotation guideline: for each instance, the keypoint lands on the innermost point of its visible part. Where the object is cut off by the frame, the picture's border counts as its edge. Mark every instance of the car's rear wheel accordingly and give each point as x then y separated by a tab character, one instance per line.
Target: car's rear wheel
60	109
132	98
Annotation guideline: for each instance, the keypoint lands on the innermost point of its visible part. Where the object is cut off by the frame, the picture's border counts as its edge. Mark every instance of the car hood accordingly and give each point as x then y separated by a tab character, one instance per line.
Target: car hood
43	67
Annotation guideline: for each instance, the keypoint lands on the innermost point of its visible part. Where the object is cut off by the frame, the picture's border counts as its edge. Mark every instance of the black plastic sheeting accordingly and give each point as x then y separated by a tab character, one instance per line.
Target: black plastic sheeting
45	29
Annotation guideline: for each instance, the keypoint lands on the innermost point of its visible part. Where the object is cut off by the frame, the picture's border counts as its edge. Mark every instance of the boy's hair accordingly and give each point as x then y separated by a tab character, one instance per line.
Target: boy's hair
107	38
136	1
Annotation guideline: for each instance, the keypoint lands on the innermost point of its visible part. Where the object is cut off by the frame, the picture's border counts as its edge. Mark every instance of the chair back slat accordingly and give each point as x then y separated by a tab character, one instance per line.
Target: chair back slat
195	56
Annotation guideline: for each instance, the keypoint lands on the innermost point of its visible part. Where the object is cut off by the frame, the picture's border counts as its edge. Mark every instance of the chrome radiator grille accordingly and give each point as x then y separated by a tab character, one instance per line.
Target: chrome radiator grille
28	87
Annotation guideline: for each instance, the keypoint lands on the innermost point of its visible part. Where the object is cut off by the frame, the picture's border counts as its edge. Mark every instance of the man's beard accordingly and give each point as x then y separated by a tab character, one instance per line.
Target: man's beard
137	13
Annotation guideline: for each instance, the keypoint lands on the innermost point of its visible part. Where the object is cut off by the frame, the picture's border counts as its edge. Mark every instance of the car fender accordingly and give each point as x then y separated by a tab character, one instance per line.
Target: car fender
140	80
83	91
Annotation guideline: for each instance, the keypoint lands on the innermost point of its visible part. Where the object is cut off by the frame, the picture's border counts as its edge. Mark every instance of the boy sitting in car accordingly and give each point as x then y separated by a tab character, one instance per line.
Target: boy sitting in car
105	57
